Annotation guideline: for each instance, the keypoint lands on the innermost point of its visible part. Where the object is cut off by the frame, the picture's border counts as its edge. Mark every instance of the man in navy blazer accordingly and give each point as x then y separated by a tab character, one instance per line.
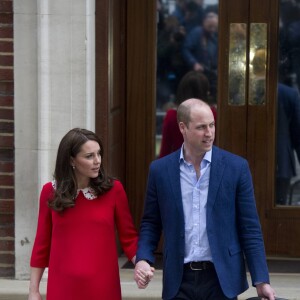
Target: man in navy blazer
202	199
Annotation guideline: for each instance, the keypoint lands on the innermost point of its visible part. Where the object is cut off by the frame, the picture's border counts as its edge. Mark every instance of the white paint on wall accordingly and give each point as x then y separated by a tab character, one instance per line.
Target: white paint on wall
54	91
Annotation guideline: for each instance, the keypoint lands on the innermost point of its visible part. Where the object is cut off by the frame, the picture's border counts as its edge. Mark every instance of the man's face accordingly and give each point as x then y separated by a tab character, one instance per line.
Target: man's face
210	23
199	133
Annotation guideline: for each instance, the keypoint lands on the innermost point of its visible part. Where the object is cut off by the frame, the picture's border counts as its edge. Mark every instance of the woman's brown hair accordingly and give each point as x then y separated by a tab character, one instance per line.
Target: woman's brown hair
193	84
65	181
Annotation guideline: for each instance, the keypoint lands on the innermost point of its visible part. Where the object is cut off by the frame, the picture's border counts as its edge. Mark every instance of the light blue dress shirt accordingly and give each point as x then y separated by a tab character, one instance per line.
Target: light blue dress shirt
194	197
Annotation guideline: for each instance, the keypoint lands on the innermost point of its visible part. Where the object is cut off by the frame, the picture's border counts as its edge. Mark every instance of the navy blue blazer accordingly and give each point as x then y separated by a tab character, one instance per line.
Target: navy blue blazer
233	226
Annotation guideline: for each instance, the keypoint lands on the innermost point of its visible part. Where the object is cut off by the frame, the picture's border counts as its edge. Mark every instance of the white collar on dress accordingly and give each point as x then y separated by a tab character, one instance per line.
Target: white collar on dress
87	192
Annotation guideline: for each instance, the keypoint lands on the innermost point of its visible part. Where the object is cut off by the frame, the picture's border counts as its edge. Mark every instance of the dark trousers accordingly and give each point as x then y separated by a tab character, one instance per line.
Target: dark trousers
200	285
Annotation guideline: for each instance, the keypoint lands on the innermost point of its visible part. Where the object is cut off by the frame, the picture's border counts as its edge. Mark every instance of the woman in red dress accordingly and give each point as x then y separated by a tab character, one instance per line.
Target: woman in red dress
78	214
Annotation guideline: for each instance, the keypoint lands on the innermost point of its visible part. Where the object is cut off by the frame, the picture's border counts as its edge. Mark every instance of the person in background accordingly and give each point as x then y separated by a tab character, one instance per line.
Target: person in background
78	214
288	140
201	197
289	46
194	14
180	9
189	13
288	128
194	84
200	49
170	64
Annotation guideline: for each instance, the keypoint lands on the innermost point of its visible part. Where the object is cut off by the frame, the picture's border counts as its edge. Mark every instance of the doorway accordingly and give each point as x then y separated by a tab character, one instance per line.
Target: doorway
249	126
246	123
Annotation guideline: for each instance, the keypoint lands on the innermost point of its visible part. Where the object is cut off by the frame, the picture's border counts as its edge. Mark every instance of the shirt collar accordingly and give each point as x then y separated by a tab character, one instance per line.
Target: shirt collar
206	157
87	192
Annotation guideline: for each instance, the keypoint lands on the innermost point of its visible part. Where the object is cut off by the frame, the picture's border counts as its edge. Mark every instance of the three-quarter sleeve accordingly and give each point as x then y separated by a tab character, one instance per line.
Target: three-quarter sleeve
42	244
126	230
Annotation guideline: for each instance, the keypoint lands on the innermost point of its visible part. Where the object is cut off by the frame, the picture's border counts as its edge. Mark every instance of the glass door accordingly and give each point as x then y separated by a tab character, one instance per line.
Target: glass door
258	109
187	62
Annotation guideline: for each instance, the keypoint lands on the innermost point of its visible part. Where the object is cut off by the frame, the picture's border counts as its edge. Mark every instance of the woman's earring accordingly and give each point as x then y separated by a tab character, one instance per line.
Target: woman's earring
73	167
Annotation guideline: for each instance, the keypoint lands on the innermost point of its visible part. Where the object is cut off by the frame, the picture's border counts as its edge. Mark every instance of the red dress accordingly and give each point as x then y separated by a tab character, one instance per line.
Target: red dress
171	136
79	245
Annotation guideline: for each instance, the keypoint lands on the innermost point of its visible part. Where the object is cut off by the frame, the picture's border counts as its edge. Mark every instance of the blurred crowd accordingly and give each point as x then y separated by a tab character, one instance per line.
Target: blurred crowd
187	40
289	45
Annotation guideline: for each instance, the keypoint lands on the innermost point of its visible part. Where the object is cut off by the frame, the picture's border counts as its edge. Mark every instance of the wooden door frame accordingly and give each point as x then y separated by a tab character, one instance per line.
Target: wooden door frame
103	71
252	121
126	29
251	130
141	99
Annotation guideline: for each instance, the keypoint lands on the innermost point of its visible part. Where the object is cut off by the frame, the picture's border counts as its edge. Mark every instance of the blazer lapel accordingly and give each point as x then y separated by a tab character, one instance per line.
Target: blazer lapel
174	180
216	174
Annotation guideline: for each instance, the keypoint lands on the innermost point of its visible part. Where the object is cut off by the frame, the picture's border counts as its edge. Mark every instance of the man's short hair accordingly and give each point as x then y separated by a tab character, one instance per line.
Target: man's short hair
184	109
183	113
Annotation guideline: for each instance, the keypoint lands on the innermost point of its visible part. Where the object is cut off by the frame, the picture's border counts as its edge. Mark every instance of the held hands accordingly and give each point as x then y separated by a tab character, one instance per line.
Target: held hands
143	273
265	291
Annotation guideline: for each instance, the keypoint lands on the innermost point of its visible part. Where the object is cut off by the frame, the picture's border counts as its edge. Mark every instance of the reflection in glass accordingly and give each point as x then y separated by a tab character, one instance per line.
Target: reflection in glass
288	106
258	61
187	50
237	64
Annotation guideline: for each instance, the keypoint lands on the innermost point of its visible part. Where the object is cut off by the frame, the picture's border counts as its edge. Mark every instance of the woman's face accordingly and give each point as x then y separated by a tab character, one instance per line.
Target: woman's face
87	163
